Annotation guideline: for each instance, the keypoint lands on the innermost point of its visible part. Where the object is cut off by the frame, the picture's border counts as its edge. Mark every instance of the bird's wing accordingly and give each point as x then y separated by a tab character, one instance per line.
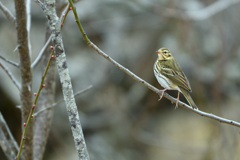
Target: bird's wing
173	71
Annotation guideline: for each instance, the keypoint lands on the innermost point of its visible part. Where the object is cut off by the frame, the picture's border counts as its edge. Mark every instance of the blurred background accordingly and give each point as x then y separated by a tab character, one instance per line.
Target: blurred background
121	118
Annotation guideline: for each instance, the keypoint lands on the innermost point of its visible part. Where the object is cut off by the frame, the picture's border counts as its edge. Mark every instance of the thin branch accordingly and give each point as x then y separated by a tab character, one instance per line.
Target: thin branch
11	76
57	103
7	142
174	100
27	124
135	77
201	14
9	61
8	14
39	57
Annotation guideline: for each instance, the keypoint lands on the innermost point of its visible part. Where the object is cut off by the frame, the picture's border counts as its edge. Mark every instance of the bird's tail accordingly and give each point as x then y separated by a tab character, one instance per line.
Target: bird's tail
189	98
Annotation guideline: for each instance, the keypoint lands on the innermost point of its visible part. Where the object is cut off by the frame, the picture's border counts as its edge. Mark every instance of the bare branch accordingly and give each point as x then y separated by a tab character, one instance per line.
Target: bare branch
208	115
11	76
26	74
46	98
9	61
7	142
57	103
55	27
135	77
8	14
37	60
202	14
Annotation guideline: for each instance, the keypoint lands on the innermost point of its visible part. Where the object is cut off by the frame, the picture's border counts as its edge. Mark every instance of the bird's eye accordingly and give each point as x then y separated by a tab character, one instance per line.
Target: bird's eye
165	52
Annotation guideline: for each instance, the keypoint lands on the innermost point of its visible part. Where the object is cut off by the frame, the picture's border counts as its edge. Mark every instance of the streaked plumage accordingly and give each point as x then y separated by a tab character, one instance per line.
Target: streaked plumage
170	75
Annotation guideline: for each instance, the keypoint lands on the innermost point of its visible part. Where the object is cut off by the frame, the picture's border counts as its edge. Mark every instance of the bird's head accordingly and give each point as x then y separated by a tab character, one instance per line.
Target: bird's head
164	54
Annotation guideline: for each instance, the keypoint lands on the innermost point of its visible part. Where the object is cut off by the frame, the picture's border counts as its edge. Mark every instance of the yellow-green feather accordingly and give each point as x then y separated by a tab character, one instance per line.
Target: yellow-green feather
188	98
171	69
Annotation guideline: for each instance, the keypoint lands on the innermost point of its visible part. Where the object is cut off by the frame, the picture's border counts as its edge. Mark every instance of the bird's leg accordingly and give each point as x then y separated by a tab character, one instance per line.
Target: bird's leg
160	96
177	100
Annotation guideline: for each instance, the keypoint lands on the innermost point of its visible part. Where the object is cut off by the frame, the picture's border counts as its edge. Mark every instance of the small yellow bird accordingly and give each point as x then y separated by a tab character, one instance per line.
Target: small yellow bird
171	77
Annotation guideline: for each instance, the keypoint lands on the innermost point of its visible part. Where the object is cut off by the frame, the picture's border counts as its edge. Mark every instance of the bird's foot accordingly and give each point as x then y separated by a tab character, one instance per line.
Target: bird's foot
176	105
177	101
160	96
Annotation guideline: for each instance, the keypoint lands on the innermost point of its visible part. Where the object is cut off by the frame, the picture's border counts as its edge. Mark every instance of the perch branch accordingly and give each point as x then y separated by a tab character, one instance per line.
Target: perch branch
174	100
135	77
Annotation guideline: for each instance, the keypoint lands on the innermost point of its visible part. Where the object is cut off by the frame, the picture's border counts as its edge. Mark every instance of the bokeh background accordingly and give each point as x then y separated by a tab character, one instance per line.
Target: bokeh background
121	118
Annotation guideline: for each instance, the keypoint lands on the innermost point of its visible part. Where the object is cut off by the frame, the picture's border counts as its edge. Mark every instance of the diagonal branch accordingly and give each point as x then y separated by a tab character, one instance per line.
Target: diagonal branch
11	76
57	103
37	60
7	142
8	14
174	100
135	77
9	61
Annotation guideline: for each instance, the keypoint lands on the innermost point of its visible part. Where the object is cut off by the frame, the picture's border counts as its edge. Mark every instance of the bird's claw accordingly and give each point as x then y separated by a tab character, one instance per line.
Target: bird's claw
177	101
160	97
176	105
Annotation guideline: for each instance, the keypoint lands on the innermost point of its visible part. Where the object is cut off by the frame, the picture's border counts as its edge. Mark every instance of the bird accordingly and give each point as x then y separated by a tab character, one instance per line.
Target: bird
170	76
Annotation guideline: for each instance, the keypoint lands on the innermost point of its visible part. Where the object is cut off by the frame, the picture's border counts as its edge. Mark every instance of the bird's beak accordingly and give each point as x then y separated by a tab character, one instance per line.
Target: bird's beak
160	55
159	52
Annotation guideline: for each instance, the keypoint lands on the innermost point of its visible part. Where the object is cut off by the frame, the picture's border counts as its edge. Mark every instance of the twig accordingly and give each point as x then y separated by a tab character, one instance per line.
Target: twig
37	60
78	22
8	14
11	76
7	142
135	77
9	61
33	107
57	103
